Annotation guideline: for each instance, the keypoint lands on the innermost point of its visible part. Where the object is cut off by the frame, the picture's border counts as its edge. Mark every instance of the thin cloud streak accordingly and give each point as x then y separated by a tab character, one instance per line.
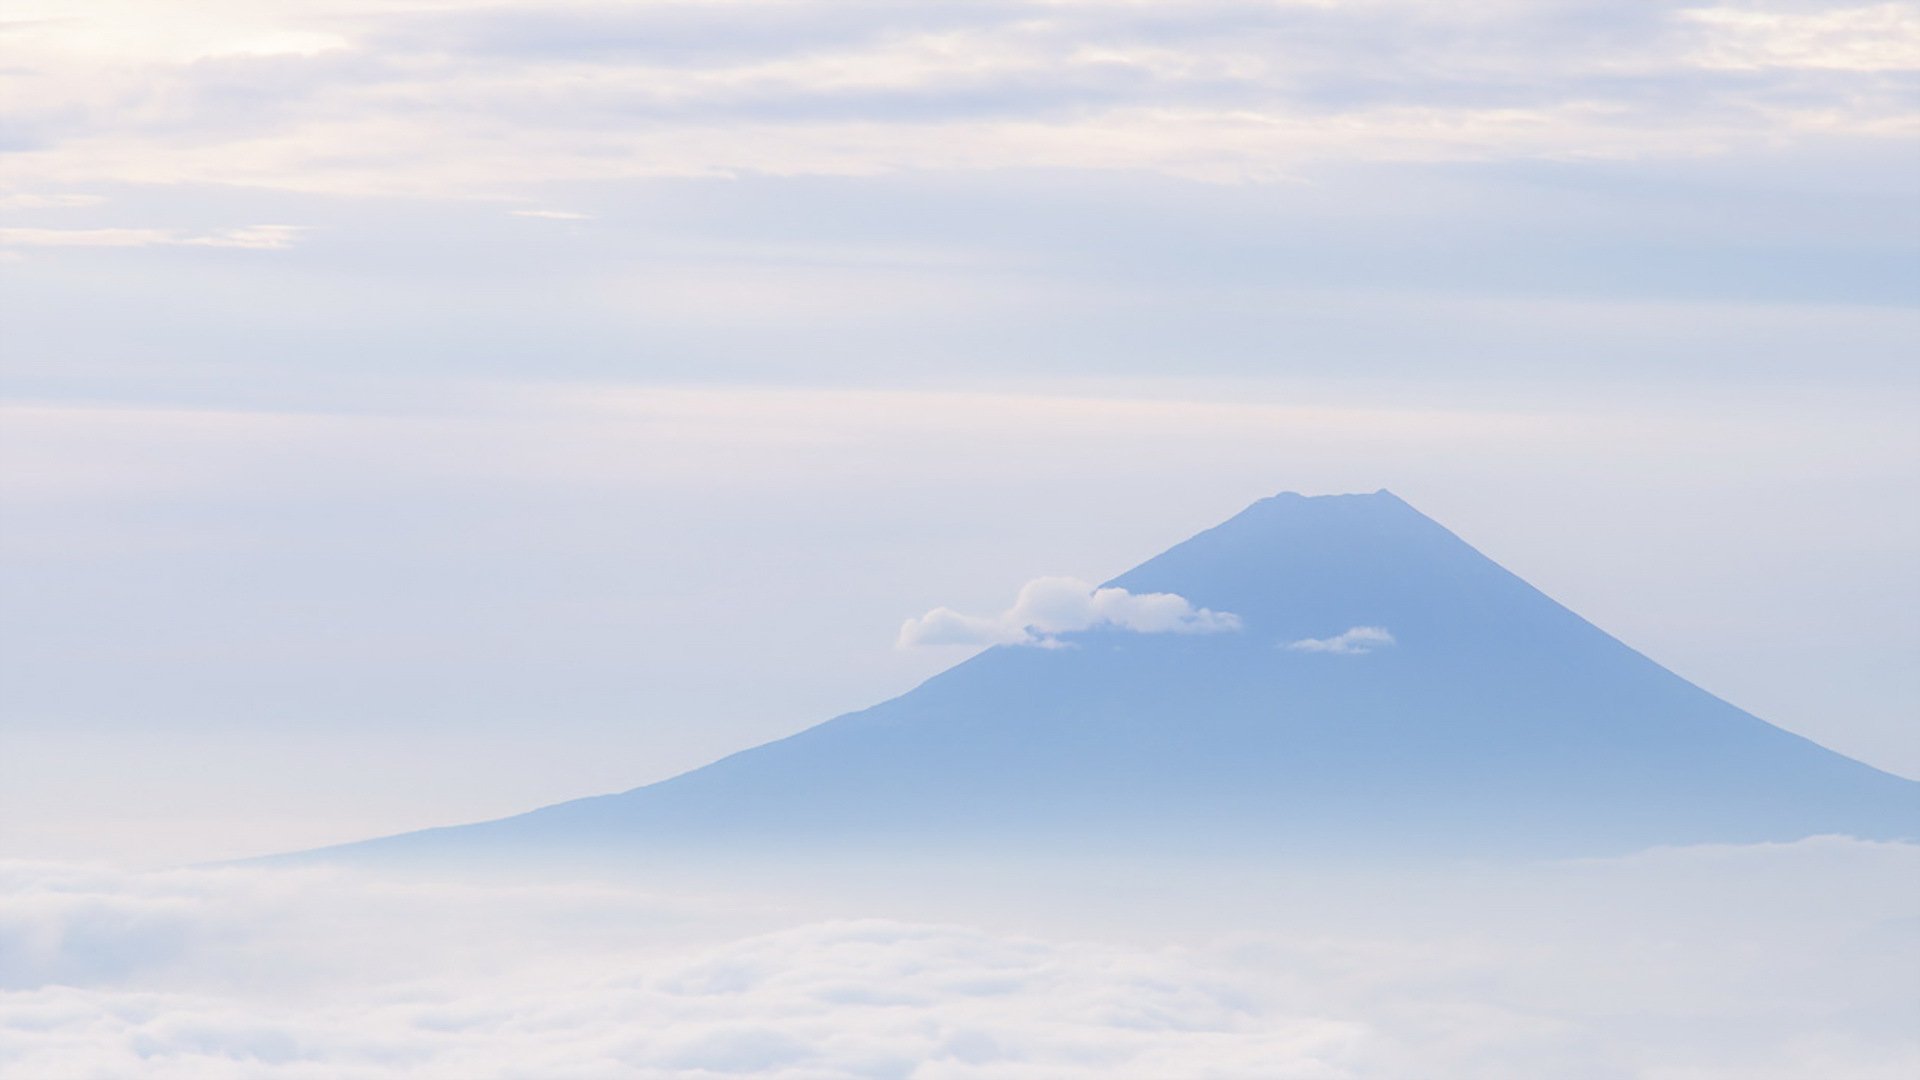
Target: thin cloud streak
251	238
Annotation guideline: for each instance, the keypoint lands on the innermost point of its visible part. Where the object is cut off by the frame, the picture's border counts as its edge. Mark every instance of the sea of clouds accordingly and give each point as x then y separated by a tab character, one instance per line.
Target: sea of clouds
1796	960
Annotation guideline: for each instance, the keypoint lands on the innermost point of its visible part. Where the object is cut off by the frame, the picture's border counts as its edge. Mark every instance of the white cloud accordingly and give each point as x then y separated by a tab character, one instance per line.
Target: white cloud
27	200
1050	606
1876	37
251	237
480	100
115	237
1358	639
552	215
1762	962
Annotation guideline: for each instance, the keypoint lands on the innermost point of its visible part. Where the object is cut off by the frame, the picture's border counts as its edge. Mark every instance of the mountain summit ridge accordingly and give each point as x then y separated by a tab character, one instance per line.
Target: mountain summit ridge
1480	717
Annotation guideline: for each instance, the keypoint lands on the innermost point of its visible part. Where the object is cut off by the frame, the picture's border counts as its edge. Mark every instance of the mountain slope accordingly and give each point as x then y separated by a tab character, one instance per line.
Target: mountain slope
1496	721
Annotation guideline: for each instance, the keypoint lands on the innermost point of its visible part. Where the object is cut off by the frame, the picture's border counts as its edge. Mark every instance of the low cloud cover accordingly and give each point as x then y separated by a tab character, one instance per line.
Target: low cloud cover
1050	606
1755	963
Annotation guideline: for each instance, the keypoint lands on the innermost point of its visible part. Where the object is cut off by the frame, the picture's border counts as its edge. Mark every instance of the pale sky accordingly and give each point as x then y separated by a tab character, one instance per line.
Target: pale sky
418	412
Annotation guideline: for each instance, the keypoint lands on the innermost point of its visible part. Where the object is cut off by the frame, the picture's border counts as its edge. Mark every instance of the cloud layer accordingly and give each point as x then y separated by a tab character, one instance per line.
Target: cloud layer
484	99
1050	606
1710	964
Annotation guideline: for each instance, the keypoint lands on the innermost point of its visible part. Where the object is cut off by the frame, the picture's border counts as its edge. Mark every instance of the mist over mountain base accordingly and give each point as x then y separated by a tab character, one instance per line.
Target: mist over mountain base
1781	960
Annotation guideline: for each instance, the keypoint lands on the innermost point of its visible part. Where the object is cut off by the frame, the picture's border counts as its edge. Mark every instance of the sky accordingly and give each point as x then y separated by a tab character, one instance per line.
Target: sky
419	412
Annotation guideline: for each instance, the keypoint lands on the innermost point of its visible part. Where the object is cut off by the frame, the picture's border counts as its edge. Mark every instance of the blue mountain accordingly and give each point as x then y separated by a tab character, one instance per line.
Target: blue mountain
1495	721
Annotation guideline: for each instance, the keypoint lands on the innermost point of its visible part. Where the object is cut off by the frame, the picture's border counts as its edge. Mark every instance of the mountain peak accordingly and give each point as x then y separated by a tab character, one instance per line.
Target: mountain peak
1312	565
1296	499
1374	506
1472	713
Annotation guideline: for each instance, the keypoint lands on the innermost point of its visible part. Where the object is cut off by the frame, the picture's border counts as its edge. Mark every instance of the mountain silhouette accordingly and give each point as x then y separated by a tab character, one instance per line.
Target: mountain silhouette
1474	714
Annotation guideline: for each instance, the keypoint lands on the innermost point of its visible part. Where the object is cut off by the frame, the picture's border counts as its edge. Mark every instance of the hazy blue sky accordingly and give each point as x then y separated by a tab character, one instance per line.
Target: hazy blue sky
416	412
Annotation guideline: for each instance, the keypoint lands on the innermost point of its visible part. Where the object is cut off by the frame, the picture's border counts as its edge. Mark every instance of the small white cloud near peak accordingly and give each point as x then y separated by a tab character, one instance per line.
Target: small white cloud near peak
1356	640
552	215
1050	606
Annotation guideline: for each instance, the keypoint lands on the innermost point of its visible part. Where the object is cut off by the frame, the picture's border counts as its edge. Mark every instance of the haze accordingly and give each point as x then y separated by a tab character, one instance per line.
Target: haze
418	413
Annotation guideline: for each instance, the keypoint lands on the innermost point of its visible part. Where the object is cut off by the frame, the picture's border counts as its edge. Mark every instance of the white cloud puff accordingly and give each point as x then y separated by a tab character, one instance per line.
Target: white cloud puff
1350	642
1050	606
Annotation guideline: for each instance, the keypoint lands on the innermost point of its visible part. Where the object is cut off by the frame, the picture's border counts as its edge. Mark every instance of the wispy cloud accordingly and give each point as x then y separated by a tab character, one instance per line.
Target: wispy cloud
482	99
251	237
1050	606
1359	639
29	200
552	215
113	238
1870	38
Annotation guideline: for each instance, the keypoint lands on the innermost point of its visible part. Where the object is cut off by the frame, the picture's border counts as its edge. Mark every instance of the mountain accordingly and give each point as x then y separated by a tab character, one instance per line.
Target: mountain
1495	720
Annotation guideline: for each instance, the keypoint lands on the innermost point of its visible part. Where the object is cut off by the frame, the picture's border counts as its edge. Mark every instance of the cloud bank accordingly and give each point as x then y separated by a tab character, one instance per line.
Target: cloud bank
1050	606
1358	639
1754	963
479	98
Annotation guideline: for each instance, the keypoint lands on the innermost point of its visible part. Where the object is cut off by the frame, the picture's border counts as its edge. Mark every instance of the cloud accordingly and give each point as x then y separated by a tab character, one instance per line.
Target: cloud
1359	639
1870	38
115	237
282	974
26	200
477	100
1756	963
251	237
1050	606
552	215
